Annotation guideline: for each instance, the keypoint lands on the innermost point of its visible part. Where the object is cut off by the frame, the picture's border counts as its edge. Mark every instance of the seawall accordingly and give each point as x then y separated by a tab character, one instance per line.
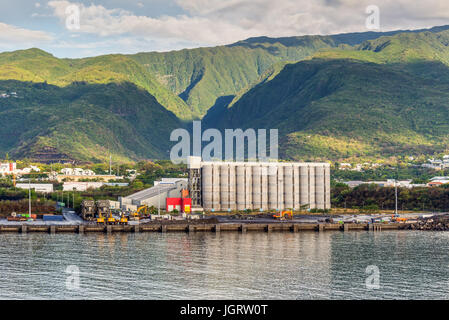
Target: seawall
219	227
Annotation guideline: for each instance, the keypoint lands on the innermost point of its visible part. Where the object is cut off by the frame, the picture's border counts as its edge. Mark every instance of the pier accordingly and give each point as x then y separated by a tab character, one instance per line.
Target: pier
191	228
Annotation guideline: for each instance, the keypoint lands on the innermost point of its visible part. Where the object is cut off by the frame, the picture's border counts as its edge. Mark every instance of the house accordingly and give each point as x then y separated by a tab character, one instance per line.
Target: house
438	181
345	166
28	170
77	172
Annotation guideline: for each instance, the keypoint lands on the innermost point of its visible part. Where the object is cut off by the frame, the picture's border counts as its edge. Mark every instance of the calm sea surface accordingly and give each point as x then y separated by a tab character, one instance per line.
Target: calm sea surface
328	265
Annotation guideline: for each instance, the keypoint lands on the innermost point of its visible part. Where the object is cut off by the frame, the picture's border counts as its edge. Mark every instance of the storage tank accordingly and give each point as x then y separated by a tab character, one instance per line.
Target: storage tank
272	187
312	187
304	181
206	177
216	187
327	186
232	187
240	182
296	187
224	186
319	187
248	187
280	204
264	187
288	187
257	194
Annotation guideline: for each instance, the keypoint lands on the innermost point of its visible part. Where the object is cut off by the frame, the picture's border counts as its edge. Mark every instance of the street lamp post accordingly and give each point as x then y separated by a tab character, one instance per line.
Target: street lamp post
29	198
159	201
396	197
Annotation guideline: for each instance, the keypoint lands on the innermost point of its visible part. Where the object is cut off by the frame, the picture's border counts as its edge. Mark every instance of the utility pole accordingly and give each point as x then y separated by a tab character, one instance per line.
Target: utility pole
110	163
29	198
396	190
396	197
159	201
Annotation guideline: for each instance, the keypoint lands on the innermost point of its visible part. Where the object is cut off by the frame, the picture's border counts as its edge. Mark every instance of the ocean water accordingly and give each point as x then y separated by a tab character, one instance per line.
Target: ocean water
307	265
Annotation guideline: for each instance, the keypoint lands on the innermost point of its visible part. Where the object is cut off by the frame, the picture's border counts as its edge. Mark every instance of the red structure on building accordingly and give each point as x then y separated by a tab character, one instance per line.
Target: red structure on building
180	204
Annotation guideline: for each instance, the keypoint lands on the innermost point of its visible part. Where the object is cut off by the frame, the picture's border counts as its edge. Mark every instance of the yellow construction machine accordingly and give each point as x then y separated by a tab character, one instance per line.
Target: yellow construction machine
111	219
284	215
140	213
100	219
123	219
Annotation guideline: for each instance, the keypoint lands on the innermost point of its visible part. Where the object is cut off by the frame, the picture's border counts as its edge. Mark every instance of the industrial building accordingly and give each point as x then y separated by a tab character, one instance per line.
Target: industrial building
37	187
226	186
155	196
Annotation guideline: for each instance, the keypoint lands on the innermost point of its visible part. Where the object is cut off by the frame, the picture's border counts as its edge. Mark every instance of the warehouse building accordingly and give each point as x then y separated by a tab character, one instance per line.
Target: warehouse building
37	187
225	186
155	196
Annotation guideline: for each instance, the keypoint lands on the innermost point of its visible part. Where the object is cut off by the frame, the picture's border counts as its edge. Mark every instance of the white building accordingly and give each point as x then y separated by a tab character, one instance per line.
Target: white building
28	170
345	166
437	164
387	183
38	187
77	172
155	196
8	168
169	181
81	186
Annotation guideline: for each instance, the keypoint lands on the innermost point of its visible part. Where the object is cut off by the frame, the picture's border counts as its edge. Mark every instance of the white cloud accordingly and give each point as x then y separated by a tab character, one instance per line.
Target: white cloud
224	21
12	35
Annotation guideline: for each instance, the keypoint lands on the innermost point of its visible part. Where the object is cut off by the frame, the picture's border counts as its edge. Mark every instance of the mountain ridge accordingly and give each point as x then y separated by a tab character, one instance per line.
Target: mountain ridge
258	82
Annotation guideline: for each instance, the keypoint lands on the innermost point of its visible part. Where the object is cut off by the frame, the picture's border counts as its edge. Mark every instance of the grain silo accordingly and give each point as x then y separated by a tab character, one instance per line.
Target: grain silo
260	185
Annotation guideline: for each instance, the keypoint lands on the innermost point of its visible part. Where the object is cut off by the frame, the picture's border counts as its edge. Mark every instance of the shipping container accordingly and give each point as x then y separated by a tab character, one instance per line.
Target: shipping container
52	218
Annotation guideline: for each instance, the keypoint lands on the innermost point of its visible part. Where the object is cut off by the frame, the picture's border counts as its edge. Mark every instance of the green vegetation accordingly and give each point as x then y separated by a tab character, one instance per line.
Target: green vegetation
83	122
417	174
369	95
372	198
151	171
341	104
21	206
39	66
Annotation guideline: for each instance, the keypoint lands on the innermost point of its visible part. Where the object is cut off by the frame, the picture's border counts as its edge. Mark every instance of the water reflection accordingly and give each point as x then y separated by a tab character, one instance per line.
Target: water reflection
306	265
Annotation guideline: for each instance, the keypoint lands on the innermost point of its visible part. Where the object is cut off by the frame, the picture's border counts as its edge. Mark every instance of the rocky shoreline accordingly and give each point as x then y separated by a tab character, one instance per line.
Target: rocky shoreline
435	223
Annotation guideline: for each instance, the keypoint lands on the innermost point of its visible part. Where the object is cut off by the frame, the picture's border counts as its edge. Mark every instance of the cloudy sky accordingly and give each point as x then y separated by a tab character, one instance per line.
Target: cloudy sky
81	28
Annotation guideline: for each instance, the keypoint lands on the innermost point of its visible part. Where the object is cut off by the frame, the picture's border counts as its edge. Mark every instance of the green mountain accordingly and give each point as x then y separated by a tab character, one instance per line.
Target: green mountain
186	82
383	97
203	76
330	96
83	122
38	66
